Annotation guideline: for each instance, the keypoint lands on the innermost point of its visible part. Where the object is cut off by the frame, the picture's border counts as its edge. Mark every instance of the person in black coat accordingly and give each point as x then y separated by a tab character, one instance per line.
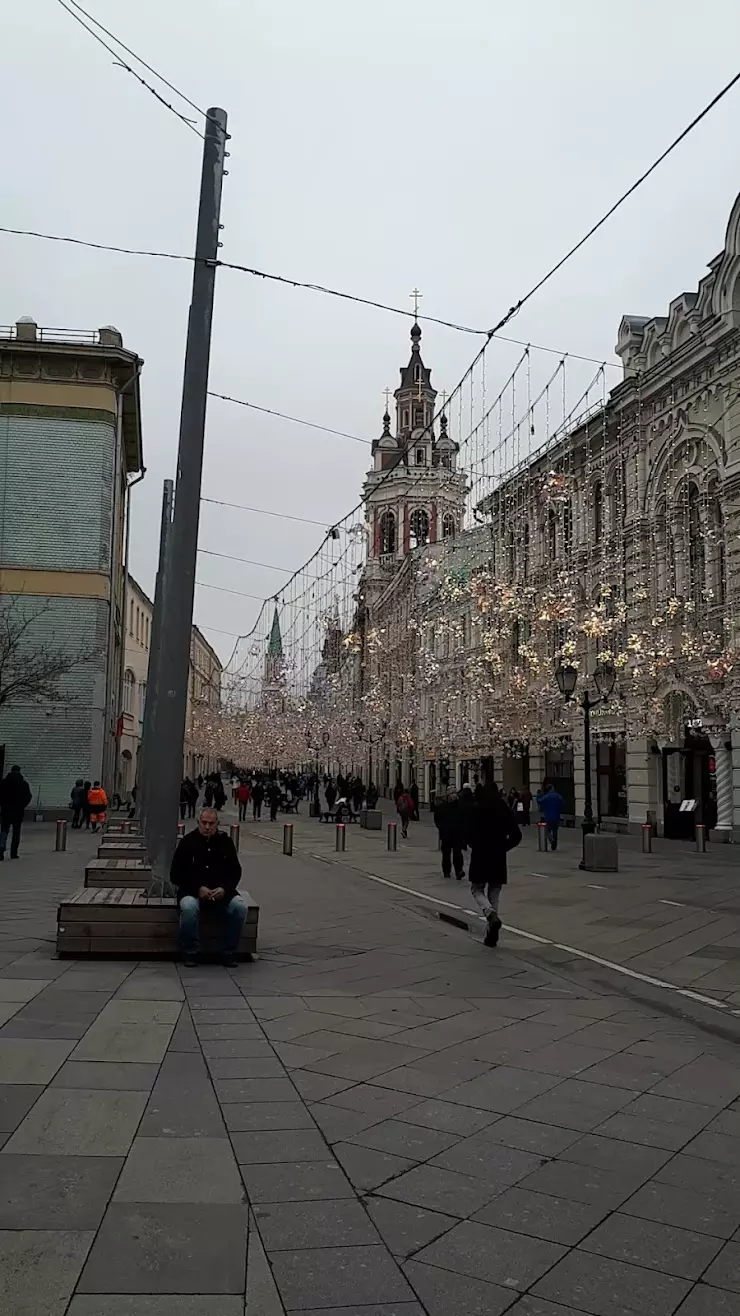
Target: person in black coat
15	797
448	819
206	870
492	830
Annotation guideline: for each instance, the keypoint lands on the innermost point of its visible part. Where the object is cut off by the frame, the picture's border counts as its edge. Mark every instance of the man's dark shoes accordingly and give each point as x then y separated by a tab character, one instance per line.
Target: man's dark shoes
229	960
494	927
191	961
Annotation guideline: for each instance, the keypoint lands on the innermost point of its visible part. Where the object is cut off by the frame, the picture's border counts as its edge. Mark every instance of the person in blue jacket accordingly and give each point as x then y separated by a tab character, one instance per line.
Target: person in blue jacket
550	805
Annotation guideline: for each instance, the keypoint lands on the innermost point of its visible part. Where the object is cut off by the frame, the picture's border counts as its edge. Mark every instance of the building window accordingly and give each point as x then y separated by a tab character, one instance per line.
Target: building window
417	373
448	525
131	619
129	684
142	699
420	457
697	561
387	532
418	417
525	546
552	534
567	526
598	500
419	528
405	418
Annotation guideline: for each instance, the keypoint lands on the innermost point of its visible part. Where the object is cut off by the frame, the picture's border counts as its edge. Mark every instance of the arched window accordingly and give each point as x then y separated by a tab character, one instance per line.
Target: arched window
421	457
510	555
525	555
697	561
567	526
417	373
387	532
419	528
598	511
129	685
552	534
448	525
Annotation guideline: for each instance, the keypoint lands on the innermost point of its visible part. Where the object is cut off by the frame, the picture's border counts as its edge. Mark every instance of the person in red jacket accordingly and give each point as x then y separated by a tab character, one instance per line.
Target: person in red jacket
405	810
243	796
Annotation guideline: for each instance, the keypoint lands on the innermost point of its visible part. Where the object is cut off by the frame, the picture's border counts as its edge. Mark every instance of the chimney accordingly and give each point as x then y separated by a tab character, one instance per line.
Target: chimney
26	329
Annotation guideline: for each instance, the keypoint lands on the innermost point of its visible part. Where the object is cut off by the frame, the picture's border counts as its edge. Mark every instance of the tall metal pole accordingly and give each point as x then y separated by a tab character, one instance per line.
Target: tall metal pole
154	673
587	826
165	764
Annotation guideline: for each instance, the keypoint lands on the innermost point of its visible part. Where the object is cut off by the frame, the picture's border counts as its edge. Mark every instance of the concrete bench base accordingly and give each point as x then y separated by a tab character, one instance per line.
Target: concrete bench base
372	819
124	923
601	853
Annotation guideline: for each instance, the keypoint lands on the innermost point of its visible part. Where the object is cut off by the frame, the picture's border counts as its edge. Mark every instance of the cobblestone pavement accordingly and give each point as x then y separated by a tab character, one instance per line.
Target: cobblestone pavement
379	1117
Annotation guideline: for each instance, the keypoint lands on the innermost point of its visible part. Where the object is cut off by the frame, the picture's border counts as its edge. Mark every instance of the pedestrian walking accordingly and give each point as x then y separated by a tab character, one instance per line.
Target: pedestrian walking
77	799
219	794
98	803
405	810
258	795
551	804
192	797
525	802
492	832
448	819
184	798
15	797
274	796
330	791
243	795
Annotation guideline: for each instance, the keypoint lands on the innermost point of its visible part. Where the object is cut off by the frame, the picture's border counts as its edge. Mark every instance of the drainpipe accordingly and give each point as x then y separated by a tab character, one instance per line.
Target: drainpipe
122	669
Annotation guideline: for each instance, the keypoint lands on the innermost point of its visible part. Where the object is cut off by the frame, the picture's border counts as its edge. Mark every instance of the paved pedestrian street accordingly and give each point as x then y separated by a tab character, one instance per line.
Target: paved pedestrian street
378	1117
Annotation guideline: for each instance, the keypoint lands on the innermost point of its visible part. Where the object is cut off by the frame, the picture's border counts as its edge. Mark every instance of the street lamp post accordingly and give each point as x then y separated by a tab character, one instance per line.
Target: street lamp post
567	678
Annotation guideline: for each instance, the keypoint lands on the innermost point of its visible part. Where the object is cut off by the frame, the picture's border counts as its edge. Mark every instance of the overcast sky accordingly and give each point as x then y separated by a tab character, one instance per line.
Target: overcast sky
375	146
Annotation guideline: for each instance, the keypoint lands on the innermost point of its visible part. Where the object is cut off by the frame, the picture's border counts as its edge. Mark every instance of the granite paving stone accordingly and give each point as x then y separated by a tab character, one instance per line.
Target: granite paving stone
443	1292
498	1165
724	1272
319	1087
405	1228
685	1208
614	1154
296	1182
338	1124
657	1246
338	1275
638	1129
39	1269
372	1100
243	1117
385	1309
367	1169
27	1061
408	1140
15	1102
603	1287
230	1049
497	1256
55	1192
558	1219
289	1226
247	1067
143	1042
141	1012
440	1190
715	1147
366	1060
528	1135
168	1248
112	1075
448	1117
20	989
79	1122
182	1103
44	1030
180	1170
152	1305
262	1297
254	1089
529	1306
705	1300
411	1081
269	1146
147	989
585	1183
503	1090
706	1080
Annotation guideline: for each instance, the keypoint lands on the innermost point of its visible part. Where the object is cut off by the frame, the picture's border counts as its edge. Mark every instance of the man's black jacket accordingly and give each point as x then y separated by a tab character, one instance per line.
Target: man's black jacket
205	861
15	795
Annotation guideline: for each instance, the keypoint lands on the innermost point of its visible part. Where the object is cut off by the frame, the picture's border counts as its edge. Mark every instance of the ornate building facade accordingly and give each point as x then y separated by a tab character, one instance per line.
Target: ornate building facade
616	544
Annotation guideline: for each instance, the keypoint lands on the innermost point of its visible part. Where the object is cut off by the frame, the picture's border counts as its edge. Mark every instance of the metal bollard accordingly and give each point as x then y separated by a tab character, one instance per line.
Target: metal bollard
180	830
287	838
647	838
701	837
541	836
234	834
392	841
61	838
341	843
125	827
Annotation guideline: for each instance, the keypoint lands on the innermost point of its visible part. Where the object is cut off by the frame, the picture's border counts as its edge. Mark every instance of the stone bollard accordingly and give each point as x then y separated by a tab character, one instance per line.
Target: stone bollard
61	837
125	827
341	841
541	836
701	837
287	838
647	838
392	838
234	834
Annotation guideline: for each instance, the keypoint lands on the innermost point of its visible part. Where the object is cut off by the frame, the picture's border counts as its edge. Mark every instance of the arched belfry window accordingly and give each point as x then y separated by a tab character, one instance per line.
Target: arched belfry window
387	532
448	525
419	527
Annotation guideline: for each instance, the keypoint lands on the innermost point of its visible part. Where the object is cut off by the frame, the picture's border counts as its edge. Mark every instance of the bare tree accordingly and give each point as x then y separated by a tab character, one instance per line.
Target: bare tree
31	668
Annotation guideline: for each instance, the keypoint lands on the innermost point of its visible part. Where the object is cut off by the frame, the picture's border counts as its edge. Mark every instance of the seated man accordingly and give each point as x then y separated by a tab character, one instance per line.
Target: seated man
206	869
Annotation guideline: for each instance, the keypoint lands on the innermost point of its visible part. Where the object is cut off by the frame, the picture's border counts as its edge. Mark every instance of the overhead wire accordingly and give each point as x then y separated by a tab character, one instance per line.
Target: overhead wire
263	511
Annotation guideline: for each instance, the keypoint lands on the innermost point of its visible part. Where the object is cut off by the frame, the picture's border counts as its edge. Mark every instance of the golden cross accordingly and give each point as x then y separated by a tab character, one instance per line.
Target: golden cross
417	298
387	392
444	398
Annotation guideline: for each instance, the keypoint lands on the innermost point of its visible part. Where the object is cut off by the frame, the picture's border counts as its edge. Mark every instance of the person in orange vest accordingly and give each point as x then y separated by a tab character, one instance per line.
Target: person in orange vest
98	803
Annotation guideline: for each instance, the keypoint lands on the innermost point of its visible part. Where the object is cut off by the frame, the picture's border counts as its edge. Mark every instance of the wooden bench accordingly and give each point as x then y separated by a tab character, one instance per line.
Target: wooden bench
122	849
120	922
116	829
118	872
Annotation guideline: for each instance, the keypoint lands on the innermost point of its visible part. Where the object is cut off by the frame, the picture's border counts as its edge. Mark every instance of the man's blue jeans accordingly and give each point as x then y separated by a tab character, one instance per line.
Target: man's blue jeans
552	834
233	912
